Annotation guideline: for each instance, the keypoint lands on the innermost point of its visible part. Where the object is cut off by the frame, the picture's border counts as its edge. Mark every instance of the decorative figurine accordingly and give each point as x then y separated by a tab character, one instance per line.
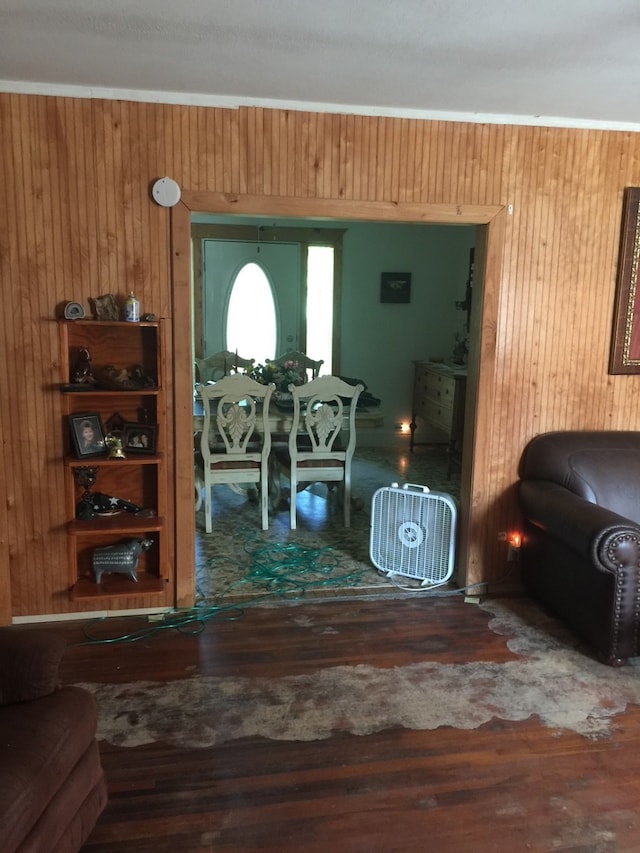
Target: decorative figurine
86	476
114	443
122	379
142	379
115	424
121	559
81	374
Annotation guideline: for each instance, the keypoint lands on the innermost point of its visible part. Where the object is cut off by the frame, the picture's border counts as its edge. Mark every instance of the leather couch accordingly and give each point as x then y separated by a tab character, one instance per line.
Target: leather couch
579	492
52	787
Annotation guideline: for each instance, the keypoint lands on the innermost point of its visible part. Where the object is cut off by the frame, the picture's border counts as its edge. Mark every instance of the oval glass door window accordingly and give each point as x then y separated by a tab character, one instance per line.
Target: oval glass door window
251	315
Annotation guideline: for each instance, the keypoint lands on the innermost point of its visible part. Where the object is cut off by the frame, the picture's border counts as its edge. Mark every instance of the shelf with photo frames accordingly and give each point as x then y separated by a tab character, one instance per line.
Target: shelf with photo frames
113	372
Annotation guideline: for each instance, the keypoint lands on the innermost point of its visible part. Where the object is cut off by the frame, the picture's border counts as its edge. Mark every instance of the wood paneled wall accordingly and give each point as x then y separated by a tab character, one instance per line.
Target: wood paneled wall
77	221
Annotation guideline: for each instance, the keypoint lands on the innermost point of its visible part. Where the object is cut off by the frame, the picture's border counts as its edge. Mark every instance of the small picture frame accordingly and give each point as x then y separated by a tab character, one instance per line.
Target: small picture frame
395	287
87	434
140	438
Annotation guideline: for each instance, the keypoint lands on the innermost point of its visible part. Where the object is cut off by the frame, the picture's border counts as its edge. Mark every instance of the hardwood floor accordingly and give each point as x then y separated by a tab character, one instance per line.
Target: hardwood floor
505	786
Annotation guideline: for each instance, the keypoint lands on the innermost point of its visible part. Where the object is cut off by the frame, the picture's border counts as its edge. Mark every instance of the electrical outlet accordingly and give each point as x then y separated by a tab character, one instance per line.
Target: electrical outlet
502	536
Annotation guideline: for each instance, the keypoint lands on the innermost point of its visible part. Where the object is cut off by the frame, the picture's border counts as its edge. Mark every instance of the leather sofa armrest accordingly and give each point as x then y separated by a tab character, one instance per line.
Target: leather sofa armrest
609	540
29	664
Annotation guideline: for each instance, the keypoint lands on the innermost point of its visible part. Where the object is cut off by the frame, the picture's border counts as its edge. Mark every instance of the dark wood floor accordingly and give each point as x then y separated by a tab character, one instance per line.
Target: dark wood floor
503	787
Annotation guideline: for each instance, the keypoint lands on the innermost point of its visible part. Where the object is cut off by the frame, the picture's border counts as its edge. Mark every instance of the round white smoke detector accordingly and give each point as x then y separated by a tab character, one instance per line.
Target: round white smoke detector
166	192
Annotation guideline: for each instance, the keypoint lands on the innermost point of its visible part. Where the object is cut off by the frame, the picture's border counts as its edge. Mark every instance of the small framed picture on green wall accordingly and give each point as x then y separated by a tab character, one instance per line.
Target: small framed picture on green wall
395	287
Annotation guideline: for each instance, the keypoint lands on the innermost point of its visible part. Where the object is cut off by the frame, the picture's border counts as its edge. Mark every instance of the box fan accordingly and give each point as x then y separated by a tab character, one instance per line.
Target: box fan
413	532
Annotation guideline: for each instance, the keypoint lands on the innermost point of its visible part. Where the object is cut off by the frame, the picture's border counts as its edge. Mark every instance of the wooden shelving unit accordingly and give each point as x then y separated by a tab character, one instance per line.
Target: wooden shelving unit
139	479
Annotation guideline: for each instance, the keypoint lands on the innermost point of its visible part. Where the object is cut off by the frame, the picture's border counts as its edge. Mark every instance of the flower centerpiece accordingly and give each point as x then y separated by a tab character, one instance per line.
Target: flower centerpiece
282	375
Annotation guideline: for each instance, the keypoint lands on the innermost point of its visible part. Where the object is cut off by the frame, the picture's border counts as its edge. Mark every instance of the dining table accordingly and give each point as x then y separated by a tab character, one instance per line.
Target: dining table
280	423
281	418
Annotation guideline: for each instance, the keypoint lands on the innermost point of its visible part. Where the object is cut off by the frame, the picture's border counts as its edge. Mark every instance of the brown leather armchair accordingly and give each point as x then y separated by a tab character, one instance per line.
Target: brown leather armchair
579	493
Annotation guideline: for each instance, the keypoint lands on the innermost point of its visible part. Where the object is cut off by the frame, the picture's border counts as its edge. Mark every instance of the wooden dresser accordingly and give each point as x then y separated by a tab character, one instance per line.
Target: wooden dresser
438	400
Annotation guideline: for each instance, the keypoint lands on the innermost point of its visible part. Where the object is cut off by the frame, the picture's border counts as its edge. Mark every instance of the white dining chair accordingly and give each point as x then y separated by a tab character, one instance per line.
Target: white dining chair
322	439
220	364
235	440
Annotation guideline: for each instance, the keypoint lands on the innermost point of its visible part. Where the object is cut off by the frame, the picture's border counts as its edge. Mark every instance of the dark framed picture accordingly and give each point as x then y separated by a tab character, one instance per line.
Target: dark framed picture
395	287
625	343
140	438
87	434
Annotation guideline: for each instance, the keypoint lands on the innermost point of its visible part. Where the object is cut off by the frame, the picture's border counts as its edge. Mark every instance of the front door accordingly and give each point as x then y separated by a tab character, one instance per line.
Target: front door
280	262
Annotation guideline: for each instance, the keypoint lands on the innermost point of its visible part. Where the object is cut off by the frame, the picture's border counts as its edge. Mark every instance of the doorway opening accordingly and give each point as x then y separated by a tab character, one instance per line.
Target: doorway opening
490	238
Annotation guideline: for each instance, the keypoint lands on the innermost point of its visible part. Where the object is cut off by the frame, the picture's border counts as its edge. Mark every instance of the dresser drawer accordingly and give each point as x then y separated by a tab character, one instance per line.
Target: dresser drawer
438	398
435	386
434	409
439	416
443	387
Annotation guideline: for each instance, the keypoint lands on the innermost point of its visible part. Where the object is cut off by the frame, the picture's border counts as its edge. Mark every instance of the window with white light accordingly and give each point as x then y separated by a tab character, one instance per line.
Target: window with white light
251	325
319	312
251	314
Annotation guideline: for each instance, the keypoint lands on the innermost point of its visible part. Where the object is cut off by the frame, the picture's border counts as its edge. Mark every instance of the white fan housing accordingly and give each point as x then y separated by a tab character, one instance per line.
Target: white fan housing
413	532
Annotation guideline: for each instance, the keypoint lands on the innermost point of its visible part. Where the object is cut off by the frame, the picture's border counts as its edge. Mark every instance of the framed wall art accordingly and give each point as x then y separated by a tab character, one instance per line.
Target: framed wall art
395	287
625	343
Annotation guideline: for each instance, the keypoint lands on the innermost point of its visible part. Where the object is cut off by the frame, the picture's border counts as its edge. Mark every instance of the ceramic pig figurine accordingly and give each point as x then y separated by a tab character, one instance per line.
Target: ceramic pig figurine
121	558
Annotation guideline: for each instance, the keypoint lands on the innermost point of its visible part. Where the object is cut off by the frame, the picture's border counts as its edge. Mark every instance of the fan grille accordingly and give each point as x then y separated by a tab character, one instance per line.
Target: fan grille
413	533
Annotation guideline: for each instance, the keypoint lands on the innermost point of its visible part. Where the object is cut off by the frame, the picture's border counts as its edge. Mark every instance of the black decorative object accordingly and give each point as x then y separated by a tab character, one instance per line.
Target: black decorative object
86	476
81	373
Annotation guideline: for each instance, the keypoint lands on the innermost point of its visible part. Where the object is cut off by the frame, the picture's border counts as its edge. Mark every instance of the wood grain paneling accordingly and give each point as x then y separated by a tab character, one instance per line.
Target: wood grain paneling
77	221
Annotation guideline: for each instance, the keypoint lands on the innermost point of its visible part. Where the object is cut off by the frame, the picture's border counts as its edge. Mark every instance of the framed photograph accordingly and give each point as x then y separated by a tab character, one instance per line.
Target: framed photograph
87	434
625	343
140	438
395	287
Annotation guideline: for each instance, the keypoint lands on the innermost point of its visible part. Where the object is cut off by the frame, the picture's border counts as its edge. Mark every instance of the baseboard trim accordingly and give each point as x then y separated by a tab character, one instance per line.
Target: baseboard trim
87	614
